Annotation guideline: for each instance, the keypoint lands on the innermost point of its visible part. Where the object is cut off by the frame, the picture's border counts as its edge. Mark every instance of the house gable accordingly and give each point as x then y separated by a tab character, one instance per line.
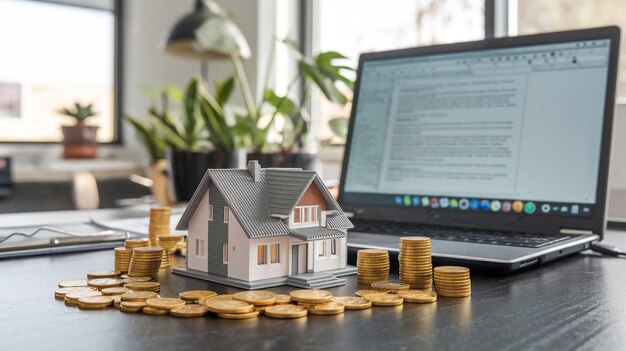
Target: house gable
312	196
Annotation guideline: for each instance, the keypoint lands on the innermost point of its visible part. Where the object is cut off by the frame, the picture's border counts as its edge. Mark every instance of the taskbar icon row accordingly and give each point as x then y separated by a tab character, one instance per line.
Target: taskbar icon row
483	205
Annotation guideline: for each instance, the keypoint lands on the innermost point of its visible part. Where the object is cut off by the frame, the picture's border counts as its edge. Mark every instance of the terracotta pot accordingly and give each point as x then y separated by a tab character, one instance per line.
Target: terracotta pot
187	168
284	160
160	186
79	141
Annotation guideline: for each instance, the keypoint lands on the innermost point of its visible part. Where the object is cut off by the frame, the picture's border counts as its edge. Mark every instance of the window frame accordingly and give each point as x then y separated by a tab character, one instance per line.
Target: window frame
118	76
210	212
333	247
226	214
200	250
225	253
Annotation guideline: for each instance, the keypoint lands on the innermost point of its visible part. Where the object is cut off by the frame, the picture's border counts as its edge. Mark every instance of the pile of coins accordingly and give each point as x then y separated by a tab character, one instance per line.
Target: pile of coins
415	260
159	224
372	266
122	258
194	296
145	262
453	281
170	242
134	243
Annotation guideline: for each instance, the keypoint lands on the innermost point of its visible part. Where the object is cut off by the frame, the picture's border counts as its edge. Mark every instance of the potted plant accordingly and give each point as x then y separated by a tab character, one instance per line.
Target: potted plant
259	119
79	140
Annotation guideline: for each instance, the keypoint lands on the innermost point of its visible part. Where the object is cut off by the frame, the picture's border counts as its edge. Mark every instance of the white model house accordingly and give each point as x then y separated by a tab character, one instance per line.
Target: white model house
255	228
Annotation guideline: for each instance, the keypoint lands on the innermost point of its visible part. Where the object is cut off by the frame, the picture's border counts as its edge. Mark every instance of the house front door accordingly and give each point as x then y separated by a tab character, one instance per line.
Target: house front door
299	258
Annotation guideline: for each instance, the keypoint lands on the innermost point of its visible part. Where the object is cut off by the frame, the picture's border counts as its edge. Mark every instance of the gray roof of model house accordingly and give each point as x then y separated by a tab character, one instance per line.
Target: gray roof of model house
261	206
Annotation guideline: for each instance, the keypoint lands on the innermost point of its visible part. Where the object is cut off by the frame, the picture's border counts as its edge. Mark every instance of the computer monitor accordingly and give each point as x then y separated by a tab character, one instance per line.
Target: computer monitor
507	129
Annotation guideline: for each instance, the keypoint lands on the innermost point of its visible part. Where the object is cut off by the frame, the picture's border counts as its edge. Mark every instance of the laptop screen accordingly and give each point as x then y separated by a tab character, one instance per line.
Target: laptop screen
511	130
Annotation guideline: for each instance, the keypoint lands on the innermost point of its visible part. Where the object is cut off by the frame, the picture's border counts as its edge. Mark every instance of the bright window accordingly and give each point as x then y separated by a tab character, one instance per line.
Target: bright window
261	255
210	212
200	250
352	27
225	253
275	253
51	55
226	213
321	247
333	247
306	214
535	16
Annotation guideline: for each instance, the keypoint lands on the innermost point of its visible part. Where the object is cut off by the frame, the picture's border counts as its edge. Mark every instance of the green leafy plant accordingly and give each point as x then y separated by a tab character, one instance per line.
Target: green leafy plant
150	137
253	123
78	112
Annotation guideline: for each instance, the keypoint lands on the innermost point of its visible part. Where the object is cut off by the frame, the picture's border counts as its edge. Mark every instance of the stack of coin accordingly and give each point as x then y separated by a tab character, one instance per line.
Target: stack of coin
94	302
169	242
416	266
133	243
159	223
145	262
453	281
372	265
230	308
310	298
166	261
122	259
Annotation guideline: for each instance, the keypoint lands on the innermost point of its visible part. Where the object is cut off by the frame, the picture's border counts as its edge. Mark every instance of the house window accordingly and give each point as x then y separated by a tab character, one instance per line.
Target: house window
226	213
333	247
200	250
305	215
322	249
210	212
275	253
261	255
225	253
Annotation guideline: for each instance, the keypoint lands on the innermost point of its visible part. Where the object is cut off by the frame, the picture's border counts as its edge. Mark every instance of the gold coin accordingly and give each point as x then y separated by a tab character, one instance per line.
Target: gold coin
282	299
118	290
101	283
189	311
365	252
117	299
451	269
165	303
103	274
132	306
154	311
311	296
260	309
195	295
247	315
328	308
217	297
418	296
138	295
384	299
61	292
96	300
455	294
143	286
227	306
390	286
73	283
353	302
286	311
71	298
362	293
257	297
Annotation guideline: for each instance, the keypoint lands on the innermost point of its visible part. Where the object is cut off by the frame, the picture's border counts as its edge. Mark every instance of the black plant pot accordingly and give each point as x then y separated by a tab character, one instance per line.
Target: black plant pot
284	160
187	169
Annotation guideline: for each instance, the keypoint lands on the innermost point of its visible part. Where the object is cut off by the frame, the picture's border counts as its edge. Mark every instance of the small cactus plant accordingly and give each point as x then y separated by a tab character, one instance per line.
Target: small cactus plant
78	112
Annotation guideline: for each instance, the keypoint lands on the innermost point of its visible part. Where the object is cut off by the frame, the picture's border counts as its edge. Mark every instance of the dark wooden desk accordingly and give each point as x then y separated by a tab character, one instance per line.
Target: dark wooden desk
576	303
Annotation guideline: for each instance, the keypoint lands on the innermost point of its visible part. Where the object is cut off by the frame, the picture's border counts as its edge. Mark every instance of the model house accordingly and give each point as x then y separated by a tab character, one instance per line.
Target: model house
260	227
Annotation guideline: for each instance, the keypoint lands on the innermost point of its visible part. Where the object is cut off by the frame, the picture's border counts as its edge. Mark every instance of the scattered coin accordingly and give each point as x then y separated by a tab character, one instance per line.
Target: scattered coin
61	292
362	293
94	302
391	287
102	283
353	302
138	295
311	296
257	297
384	299
189	311
132	306
418	296
282	299
286	311
118	290
228	306
73	283
154	311
103	274
143	286
328	308
165	303
71	298
247	315
196	295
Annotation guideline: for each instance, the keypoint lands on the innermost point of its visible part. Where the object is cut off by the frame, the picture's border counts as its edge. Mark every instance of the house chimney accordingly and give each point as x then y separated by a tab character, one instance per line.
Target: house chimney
255	170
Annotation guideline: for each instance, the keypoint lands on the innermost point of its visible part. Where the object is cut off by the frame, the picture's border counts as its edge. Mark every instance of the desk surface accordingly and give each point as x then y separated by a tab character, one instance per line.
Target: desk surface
576	303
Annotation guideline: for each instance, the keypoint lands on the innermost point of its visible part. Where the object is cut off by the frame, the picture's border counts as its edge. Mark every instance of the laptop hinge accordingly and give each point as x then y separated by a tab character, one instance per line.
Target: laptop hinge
576	231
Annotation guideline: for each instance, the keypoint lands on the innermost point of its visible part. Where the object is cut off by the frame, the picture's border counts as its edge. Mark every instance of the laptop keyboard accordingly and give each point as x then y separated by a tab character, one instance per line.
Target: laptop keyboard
458	234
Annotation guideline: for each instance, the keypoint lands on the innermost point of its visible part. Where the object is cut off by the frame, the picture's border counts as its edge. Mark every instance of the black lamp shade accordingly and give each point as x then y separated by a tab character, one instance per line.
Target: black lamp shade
181	39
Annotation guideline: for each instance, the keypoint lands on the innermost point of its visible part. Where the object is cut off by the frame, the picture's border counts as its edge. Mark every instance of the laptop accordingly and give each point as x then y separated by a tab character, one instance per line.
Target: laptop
496	149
